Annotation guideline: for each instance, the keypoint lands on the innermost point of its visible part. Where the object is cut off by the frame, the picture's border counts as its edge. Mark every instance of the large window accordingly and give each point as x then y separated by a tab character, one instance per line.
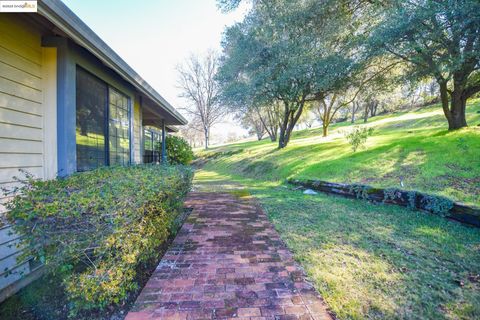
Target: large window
103	124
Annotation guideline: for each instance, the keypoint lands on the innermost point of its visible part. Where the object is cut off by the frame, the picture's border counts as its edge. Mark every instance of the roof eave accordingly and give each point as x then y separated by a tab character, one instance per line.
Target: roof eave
64	19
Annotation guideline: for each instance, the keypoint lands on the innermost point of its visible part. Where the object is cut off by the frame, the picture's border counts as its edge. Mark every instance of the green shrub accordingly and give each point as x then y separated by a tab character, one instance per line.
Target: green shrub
360	191
178	150
94	229
390	194
358	137
437	204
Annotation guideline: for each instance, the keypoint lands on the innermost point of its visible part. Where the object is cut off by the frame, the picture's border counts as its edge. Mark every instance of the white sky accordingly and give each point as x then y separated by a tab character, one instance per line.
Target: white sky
154	36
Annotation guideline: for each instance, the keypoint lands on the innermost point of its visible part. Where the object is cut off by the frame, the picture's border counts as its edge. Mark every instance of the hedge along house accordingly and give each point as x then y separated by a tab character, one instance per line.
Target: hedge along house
68	103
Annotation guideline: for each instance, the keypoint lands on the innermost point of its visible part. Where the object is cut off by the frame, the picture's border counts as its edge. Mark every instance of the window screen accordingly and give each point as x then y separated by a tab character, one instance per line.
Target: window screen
90	113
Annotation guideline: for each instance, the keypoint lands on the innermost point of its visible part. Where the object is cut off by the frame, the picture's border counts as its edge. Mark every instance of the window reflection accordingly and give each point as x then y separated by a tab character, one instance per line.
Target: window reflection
91	97
119	123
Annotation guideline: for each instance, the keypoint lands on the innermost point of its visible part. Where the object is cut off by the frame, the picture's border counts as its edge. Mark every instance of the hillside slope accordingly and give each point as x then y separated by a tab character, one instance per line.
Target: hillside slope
409	150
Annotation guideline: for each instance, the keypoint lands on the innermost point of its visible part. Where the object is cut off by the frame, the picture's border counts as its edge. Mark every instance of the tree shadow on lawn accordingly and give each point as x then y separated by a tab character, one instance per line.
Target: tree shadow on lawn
380	261
419	162
432	122
343	162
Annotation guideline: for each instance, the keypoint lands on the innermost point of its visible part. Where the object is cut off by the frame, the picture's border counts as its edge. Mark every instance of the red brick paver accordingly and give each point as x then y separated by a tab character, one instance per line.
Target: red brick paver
227	262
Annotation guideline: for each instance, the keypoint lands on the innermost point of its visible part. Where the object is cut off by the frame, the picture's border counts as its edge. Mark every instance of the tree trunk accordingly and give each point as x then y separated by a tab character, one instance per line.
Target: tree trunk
354	110
455	113
259	135
282	143
281	139
373	110
270	128
289	130
457	109
325	129
291	116
83	128
207	137
365	114
273	136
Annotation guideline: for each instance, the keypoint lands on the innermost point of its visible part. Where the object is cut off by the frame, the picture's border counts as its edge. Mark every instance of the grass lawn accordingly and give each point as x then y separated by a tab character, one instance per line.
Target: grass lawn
409	148
370	261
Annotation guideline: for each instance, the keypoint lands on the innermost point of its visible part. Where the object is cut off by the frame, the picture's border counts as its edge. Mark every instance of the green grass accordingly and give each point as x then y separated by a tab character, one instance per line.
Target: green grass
370	261
413	148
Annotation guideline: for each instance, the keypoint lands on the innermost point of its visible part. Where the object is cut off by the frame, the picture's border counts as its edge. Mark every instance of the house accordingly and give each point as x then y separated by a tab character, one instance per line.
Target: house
68	103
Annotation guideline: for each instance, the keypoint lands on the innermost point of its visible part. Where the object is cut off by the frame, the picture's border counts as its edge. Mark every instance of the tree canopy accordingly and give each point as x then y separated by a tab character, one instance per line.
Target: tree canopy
288	53
437	39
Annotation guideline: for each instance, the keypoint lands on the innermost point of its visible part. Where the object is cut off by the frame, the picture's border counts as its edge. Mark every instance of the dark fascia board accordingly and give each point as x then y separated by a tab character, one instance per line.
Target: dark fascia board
69	23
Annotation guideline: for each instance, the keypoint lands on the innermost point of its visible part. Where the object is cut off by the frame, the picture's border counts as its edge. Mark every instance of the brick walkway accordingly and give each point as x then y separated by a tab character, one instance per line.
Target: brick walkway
227	262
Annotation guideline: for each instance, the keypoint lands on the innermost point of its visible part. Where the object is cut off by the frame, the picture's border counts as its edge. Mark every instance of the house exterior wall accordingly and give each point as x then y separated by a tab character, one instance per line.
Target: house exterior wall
27	124
38	121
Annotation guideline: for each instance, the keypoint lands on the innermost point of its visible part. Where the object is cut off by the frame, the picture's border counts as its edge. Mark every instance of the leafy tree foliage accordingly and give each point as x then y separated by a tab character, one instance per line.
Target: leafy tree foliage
287	56
437	39
252	121
343	52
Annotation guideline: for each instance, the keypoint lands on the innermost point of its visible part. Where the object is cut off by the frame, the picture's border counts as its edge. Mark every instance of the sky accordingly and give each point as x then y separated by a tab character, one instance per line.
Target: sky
154	36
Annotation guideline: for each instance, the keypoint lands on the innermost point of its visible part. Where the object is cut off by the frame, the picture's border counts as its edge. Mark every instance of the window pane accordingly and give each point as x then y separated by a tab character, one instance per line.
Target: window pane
119	123
147	146
156	146
90	116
